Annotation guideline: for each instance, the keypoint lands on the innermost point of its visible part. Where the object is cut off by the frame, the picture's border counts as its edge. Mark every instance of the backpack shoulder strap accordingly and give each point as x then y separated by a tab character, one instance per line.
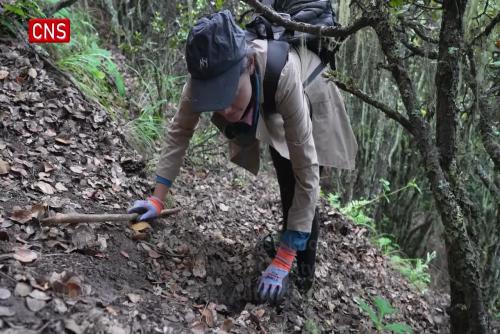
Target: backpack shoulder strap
277	56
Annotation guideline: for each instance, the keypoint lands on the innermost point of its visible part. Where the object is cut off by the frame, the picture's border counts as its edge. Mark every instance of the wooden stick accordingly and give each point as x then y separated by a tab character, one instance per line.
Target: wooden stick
99	218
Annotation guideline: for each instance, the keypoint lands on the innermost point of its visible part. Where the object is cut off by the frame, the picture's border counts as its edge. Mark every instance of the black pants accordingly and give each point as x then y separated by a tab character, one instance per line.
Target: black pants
305	259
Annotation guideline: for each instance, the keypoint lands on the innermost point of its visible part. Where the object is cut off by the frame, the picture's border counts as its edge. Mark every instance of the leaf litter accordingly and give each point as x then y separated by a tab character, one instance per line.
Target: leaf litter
199	271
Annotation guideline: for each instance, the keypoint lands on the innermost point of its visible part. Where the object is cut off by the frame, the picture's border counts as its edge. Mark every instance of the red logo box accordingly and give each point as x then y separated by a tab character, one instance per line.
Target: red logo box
49	30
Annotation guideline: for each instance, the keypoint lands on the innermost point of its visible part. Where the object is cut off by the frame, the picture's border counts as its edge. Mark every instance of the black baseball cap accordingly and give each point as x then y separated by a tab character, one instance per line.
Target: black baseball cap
215	51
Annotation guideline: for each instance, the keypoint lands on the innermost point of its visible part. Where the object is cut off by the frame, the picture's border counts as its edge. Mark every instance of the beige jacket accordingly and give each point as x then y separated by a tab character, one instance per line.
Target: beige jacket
327	140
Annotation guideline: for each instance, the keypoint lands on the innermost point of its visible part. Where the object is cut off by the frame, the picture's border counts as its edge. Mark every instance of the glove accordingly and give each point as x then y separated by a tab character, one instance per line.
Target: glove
149	208
273	283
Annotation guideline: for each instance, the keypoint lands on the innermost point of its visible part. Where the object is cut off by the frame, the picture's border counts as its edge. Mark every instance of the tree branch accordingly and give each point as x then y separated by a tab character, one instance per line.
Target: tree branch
418	29
391	113
430	54
339	32
486	30
51	10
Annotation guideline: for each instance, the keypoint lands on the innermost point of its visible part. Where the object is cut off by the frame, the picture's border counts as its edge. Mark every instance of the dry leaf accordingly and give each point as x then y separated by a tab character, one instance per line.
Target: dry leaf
47	168
19	170
199	328
22	289
60	187
25	255
76	169
4	293
153	254
60	306
6	311
3	74
4	167
134	298
227	325
111	310
73	287
35	305
32	73
125	254
20	216
208	317
138	227
67	142
45	188
199	269
40	295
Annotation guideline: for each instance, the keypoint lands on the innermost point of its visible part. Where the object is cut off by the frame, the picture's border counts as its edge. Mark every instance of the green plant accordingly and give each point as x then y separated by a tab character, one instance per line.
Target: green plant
382	308
92	67
310	327
415	270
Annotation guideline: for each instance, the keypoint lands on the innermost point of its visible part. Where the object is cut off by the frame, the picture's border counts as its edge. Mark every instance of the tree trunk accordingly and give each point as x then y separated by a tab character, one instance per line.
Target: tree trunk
467	311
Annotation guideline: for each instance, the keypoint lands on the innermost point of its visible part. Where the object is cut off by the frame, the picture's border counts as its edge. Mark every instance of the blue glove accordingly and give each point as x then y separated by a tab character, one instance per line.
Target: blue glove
273	284
150	208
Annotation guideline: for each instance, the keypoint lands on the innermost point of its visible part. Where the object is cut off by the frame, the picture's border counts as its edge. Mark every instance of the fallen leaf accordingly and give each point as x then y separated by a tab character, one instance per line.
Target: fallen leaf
40	295
153	254
48	167
199	269
60	306
133	297
227	325
72	326
138	227
4	167
259	313
20	216
76	169
25	255
6	311
199	328
208	317
60	187
35	305
3	74
4	293
22	289
19	170
45	188
67	142
125	254
73	287
111	310
32	73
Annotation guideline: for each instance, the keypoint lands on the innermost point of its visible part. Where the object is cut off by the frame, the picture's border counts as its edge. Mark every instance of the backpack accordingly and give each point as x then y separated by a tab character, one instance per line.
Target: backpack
280	40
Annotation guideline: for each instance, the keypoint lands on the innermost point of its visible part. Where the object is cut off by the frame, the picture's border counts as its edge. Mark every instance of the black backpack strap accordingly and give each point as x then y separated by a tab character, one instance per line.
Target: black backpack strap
277	56
313	74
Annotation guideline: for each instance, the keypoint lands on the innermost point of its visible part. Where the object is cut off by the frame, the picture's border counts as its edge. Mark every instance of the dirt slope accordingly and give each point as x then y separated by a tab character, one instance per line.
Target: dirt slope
193	272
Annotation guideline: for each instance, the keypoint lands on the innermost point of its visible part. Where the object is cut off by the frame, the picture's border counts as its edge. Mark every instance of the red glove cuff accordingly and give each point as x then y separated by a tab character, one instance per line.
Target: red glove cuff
156	203
284	258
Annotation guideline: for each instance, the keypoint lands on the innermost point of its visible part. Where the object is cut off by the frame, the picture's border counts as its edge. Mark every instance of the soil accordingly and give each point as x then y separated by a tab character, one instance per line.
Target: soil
192	272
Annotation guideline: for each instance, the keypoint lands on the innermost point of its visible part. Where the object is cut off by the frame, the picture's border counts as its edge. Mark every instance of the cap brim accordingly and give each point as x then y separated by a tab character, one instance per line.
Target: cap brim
217	93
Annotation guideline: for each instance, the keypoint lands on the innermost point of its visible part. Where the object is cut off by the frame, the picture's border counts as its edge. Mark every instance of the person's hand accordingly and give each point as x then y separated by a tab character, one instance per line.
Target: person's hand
273	283
149	209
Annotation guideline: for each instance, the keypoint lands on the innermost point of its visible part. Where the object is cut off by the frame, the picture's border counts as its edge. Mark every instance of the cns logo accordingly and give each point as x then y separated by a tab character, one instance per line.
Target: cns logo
49	30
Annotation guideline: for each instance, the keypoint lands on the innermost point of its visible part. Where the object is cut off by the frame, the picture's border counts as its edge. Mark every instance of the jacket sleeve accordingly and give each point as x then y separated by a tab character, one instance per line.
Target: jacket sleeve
292	104
177	137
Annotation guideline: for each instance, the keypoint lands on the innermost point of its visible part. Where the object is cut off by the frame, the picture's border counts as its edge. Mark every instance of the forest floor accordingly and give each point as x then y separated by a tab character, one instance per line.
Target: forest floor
193	272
